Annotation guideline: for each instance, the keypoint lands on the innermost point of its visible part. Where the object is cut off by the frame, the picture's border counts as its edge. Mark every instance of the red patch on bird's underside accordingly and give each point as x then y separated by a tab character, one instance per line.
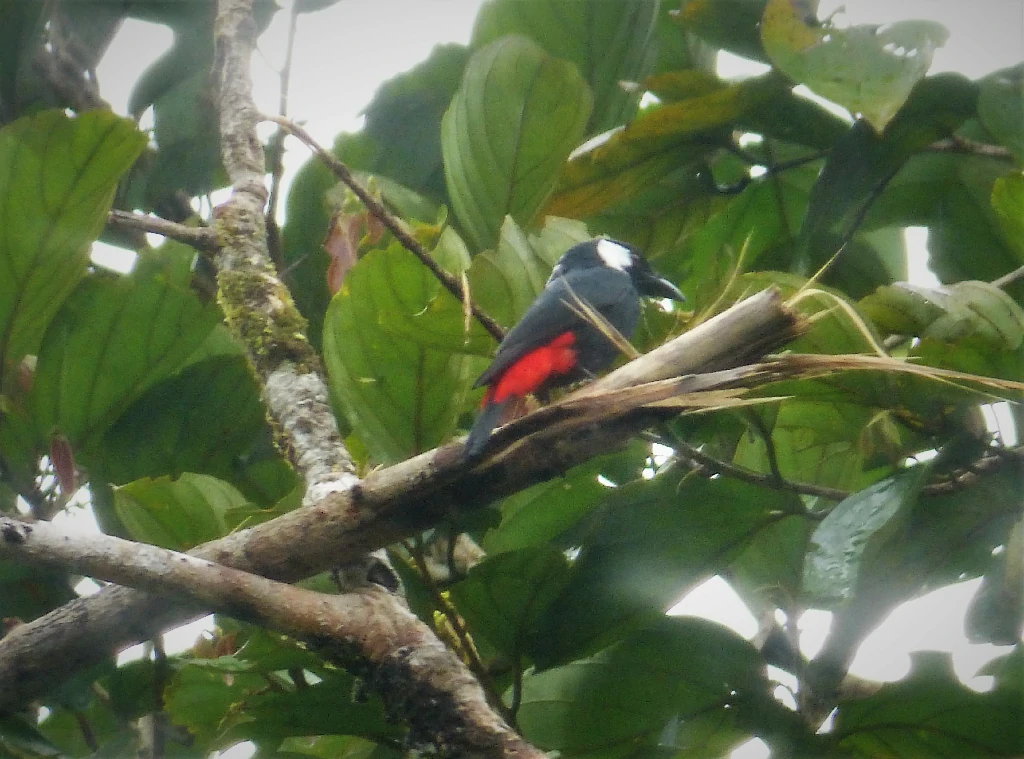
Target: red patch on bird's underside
533	370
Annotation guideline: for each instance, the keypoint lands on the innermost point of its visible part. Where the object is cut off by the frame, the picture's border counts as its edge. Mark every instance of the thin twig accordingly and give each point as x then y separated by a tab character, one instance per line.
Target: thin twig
390	221
1008	279
277	147
202	239
704	461
955	483
957	144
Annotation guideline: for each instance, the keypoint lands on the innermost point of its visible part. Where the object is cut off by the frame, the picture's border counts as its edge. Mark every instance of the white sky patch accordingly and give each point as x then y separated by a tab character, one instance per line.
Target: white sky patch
935	622
614	255
715	599
110	257
919	271
731	66
999	421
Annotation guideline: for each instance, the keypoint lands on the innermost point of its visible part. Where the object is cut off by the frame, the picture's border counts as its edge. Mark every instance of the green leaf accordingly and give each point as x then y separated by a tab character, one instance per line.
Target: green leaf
657	141
511	125
28	592
539	514
401	397
646	543
504	595
176	513
862	162
1001	107
504	282
207	419
57	179
931	713
404	121
854	532
323	709
112	340
867	69
1008	202
635	686
610	43
732	25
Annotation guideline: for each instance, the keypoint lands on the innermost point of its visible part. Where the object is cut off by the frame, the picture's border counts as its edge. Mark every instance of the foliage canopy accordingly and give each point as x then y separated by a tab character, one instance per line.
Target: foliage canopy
729	187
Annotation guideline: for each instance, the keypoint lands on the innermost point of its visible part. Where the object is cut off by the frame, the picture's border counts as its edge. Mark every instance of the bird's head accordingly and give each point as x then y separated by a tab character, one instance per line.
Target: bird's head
619	256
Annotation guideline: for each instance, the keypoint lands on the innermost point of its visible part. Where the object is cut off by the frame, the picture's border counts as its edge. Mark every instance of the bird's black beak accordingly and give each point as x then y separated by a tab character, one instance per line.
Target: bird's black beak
657	287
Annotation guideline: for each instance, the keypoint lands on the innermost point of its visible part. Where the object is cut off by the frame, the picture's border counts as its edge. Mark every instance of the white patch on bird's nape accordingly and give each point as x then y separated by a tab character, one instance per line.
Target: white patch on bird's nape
614	255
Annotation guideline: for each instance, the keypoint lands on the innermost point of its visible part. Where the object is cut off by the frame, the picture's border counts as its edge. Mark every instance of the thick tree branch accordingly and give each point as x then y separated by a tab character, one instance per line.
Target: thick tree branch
202	239
391	222
406	658
258	306
387	506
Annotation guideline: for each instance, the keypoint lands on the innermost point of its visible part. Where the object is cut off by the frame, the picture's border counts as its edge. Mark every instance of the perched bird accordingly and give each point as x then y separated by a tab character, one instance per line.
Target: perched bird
555	343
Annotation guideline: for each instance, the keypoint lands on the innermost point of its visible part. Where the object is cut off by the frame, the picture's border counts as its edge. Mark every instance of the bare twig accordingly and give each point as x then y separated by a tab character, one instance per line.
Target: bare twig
391	222
957	144
699	460
277	147
1008	279
202	239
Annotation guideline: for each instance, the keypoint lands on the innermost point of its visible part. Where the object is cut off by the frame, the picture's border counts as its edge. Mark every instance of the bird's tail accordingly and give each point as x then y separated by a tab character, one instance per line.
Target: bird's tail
489	418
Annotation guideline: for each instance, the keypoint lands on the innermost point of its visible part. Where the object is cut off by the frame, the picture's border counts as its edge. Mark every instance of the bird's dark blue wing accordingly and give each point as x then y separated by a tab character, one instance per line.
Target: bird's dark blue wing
609	292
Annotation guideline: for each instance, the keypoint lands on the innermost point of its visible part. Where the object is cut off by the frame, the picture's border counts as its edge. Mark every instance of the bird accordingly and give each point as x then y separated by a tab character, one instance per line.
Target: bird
556	343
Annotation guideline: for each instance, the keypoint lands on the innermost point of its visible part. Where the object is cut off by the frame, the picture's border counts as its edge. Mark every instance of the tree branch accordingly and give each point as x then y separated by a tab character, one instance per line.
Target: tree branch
258	307
957	144
370	632
387	506
393	224
202	239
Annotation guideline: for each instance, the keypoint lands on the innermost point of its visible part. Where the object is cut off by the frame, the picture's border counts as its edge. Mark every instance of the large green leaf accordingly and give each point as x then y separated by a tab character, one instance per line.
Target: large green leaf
732	25
1008	202
112	340
401	397
540	514
853	532
513	122
965	309
176	513
57	179
503	596
1001	107
862	162
673	667
608	41
641	548
867	69
404	121
207	419
931	713
504	282
657	141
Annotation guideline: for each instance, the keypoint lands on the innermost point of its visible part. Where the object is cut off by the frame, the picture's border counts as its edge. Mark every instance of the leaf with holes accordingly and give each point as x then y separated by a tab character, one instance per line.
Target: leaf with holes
869	70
